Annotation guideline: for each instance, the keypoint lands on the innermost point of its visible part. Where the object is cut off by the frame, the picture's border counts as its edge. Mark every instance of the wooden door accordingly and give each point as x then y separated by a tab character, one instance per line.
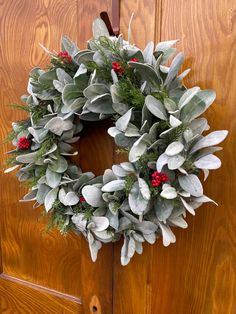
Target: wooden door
196	275
44	272
47	273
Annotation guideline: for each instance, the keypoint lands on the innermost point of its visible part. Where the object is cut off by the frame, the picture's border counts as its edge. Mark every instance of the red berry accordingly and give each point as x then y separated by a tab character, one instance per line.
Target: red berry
134	60
116	66
23	143
82	199
64	56
158	178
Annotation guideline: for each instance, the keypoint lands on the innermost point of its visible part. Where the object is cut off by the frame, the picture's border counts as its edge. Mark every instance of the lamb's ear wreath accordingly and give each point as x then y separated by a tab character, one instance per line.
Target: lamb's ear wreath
157	122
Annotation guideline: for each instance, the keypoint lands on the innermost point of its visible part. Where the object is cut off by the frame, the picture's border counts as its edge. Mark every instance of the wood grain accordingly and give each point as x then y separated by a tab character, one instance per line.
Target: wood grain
20	298
197	275
200	272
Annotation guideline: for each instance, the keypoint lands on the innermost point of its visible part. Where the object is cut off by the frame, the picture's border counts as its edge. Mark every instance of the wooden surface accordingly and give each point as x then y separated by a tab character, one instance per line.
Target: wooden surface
197	275
48	273
34	258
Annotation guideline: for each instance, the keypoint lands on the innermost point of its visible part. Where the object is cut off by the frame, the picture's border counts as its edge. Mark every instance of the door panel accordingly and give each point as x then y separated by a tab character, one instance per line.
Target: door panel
46	272
197	274
50	273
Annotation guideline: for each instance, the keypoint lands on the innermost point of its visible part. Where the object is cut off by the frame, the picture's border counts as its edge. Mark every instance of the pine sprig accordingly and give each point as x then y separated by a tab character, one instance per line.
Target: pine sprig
20	107
46	145
130	94
57	218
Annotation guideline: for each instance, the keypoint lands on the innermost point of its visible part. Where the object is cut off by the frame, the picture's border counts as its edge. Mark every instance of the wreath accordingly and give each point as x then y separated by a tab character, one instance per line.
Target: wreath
156	122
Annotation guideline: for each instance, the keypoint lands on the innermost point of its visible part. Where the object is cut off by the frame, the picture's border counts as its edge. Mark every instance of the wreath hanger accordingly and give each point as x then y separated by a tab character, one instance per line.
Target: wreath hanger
113	26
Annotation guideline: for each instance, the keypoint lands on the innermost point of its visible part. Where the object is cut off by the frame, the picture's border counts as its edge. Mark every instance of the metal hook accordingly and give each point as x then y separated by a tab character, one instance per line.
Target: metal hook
113	26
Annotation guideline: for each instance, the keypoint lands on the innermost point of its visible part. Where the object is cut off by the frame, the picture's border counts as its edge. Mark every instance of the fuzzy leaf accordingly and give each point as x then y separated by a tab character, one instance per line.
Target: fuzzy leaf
148	52
99	28
167	234
174	68
175	162
43	190
138	149
191	184
95	90
57	125
101	223
174	148
136	201
112	186
108	176
211	139
144	189
71	199
163	209
59	165
27	158
187	96
155	107
161	161
123	121
50	199
208	162
53	178
188	206
169	192
92	195
146	227
198	104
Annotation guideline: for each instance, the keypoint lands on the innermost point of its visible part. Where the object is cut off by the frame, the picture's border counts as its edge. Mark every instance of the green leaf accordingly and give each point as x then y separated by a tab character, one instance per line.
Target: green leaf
163	209
69	46
123	121
174	68
174	148
191	184
146	71
187	96
53	178
138	149
59	165
112	186
208	162
198	104
168	192
70	93
50	199
92	195
136	201
211	139
155	107
99	28
57	125
94	90
101	104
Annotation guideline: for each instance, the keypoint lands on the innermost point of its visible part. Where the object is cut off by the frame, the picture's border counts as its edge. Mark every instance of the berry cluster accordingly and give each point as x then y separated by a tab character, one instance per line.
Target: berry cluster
116	66
158	178
64	56
23	143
